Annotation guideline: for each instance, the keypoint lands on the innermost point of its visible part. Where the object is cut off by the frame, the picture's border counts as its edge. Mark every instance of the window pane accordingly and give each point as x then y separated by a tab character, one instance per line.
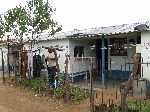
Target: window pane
115	44
123	52
75	51
78	50
81	51
115	52
119	47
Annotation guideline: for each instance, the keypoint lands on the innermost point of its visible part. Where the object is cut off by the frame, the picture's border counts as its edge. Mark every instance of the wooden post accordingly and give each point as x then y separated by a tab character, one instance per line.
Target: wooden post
67	79
91	87
20	64
57	66
130	80
15	70
47	76
3	66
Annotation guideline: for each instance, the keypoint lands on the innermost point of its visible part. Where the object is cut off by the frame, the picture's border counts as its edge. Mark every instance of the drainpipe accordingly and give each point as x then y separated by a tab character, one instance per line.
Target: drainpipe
103	60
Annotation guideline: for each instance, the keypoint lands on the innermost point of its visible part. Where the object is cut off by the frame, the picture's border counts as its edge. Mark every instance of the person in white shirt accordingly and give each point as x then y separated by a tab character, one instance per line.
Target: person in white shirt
51	64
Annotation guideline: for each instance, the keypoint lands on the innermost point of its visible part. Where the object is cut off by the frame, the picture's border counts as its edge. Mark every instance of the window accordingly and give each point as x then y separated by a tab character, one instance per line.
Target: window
119	47
78	51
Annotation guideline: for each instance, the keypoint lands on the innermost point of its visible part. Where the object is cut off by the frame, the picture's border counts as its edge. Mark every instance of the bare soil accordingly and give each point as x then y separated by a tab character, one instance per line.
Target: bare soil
15	100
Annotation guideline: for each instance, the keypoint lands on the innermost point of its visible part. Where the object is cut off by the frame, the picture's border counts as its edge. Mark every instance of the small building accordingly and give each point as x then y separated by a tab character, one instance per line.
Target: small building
113	49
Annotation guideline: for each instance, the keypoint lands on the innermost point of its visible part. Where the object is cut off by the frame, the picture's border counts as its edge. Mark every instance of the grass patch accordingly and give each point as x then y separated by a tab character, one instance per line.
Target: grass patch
138	106
76	94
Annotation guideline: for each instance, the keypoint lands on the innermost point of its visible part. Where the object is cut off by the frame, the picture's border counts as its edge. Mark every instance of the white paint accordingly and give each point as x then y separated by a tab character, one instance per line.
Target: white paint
119	60
138	48
4	49
62	42
78	66
145	54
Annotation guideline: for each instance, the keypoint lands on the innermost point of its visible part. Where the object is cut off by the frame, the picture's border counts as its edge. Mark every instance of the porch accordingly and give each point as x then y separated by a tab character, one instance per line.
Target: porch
113	56
97	83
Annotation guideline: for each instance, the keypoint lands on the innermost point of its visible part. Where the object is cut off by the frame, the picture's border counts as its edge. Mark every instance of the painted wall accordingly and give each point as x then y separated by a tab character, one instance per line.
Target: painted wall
61	54
79	66
118	61
145	53
4	49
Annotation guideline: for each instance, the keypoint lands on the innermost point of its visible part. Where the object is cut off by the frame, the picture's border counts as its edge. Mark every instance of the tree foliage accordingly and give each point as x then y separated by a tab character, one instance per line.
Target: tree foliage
35	17
2	29
40	17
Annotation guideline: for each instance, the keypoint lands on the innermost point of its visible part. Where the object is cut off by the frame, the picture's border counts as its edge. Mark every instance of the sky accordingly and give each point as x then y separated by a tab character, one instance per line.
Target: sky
84	14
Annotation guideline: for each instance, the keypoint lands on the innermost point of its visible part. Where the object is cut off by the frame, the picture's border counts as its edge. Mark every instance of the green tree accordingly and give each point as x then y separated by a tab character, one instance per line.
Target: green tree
34	19
15	23
2	27
40	19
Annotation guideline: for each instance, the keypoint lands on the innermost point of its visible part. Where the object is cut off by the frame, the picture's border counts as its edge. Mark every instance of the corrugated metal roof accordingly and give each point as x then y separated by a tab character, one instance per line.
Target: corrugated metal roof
117	29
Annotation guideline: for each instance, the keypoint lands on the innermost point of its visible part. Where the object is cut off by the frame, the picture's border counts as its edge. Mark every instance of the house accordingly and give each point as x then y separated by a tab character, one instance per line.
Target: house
3	47
113	49
8	62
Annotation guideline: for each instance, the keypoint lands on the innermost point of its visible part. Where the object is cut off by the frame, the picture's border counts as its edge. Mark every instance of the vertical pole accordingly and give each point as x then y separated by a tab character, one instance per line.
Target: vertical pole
67	79
3	66
103	61
8	61
15	69
91	86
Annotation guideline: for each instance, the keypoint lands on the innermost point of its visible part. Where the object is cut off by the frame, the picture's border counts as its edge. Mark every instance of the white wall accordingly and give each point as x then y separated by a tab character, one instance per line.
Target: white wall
119	60
62	42
3	47
145	54
78	66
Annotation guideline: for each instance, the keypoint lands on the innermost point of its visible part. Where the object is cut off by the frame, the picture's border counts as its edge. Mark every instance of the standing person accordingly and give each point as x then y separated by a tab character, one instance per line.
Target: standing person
51	64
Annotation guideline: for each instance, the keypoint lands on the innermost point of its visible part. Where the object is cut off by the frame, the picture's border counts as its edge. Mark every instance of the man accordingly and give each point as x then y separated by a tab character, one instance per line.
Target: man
52	64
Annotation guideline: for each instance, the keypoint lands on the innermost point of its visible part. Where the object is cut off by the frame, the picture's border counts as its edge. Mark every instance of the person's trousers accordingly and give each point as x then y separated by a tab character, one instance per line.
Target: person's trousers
52	72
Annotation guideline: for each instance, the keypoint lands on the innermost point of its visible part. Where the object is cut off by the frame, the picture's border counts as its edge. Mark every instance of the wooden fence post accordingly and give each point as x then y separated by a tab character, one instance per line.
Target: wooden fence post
67	79
128	85
91	87
57	66
3	67
47	76
15	70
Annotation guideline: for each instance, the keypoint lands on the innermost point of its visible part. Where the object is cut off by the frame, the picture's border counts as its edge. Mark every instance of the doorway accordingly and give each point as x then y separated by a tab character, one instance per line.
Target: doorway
99	56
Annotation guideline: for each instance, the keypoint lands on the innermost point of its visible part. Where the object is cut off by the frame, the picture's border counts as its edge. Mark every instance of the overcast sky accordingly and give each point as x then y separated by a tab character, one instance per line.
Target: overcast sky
83	14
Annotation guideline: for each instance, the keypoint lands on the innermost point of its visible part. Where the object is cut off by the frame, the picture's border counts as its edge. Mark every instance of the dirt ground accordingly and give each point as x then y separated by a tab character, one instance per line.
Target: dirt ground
14	100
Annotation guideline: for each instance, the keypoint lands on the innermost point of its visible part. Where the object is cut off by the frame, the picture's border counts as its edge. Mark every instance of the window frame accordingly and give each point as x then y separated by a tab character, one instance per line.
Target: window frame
121	41
78	54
